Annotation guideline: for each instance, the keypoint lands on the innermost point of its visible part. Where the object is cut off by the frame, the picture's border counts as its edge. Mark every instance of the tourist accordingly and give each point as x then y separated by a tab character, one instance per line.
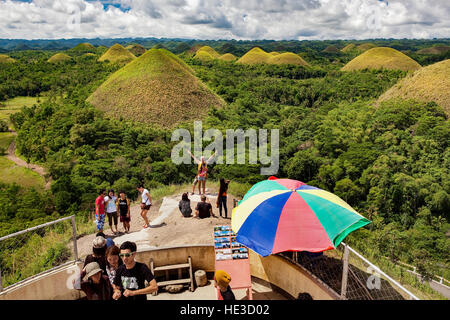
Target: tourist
111	210
145	204
202	171
100	210
185	206
95	284
113	262
123	207
203	209
222	196
98	253
222	281
129	283
109	241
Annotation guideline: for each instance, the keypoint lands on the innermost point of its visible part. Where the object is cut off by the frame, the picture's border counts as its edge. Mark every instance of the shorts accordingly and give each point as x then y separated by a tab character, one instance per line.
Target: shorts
147	207
112	216
100	223
124	219
201	178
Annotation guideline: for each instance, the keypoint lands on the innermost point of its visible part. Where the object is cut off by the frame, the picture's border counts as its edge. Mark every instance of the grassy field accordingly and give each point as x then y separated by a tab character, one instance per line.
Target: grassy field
14	105
11	173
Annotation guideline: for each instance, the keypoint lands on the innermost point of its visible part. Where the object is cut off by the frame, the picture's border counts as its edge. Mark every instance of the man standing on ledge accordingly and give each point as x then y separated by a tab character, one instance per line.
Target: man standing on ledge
129	282
146	203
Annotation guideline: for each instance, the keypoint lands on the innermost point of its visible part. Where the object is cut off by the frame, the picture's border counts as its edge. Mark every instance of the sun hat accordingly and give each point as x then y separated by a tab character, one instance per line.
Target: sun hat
99	242
222	278
91	269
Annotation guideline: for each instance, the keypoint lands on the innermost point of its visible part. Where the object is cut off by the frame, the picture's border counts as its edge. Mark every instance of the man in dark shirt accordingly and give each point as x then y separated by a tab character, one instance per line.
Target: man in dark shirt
129	282
203	209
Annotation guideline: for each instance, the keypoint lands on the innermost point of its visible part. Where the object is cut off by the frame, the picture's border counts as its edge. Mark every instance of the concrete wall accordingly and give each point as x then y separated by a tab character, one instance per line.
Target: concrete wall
276	270
54	285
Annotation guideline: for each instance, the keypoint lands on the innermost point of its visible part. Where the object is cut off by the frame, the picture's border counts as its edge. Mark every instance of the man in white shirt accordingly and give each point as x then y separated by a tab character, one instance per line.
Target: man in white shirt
146	203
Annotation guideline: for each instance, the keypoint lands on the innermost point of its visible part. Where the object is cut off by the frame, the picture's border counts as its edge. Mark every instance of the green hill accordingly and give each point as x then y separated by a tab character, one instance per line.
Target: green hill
59	57
365	46
203	55
136	49
6	59
287	58
349	47
117	54
434	50
274	53
228	57
430	83
207	49
255	56
158	87
382	58
331	49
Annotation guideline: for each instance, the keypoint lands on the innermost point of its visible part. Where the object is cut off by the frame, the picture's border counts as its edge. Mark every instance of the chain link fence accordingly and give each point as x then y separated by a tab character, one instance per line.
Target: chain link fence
350	275
28	253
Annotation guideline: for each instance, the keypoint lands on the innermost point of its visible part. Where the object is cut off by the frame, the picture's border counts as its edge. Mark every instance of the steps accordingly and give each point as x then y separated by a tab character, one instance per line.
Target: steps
178	267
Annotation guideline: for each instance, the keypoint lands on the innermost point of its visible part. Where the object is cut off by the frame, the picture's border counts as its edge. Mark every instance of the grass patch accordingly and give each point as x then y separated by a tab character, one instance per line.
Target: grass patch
14	105
11	173
5	140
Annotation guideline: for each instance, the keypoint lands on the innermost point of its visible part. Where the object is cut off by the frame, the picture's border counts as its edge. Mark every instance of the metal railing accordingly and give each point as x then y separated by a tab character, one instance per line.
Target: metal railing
349	275
12	244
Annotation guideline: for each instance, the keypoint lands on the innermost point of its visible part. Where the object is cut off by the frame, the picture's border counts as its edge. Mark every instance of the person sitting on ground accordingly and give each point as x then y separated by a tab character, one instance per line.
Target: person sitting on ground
145	204
129	282
98	253
95	284
185	206
113	262
222	281
111	210
123	207
222	197
100	210
109	241
203	209
201	171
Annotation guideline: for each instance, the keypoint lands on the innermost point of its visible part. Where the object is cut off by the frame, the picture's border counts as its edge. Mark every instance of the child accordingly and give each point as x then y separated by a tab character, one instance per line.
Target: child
222	281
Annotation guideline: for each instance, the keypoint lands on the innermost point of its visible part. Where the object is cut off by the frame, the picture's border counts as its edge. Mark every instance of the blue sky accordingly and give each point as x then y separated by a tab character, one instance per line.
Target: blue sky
225	19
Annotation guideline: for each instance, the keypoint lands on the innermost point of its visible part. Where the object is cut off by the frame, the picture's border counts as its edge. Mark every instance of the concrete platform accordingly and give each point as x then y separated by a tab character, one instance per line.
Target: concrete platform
260	292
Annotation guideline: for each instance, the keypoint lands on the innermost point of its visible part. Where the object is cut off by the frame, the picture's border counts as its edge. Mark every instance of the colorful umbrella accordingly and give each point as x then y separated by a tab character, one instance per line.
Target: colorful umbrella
279	215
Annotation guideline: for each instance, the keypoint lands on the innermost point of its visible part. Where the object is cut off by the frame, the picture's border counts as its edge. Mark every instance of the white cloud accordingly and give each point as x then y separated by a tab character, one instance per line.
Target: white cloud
225	19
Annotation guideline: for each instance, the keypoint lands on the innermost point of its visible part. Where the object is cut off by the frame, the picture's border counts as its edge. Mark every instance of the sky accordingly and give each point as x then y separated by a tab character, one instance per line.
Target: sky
225	19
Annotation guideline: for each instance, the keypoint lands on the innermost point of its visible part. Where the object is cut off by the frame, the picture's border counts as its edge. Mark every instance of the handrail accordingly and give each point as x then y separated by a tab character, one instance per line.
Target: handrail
35	228
381	272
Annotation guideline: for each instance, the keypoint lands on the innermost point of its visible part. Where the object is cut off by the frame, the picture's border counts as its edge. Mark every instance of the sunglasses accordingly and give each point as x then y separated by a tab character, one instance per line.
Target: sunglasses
126	254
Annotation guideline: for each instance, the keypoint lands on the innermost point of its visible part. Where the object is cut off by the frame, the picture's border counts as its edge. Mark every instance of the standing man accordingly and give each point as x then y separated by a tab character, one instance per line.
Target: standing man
129	282
123	207
111	210
146	203
100	210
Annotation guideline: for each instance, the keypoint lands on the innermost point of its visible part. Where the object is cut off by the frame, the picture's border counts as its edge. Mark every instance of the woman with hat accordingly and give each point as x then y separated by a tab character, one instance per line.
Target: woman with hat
95	284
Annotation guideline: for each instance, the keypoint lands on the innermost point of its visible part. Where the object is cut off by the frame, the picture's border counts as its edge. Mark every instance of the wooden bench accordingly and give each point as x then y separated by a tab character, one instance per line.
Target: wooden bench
178	267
